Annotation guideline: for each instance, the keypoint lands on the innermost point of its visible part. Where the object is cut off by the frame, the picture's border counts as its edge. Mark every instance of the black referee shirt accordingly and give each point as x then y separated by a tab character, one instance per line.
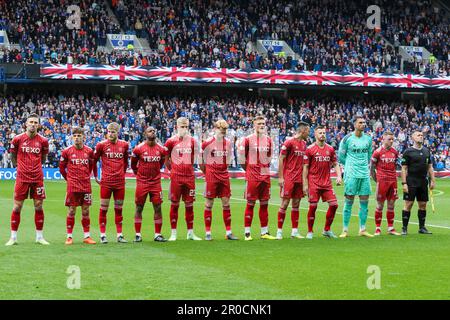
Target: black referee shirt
417	161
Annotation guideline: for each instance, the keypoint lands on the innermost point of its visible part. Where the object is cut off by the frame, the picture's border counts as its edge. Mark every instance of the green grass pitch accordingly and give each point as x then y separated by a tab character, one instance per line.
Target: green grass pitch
412	267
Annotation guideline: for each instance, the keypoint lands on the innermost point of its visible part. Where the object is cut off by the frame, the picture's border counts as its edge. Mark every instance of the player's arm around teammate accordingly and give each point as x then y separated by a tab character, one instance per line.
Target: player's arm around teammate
146	162
114	154
29	152
318	160
181	156
290	178
256	152
383	171
76	165
214	161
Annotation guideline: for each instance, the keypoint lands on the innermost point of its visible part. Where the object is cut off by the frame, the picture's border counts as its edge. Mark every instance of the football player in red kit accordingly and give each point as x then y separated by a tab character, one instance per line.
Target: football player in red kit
181	153
256	154
290	167
75	165
383	171
28	153
320	157
216	156
113	154
146	161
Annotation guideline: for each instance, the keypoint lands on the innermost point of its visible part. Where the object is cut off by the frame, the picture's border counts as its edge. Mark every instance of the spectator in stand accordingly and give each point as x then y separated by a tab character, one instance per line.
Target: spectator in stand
326	35
93	113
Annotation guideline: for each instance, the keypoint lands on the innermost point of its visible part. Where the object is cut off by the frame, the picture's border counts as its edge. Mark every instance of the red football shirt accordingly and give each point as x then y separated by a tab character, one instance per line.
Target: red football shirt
114	157
147	161
216	156
258	155
320	161
385	161
76	166
29	153
182	152
294	150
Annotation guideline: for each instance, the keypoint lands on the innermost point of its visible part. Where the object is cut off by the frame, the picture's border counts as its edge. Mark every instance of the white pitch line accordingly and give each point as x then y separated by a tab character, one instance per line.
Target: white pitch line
354	215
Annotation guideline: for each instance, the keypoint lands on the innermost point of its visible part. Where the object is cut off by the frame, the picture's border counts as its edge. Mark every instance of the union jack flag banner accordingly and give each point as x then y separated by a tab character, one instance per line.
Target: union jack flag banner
254	76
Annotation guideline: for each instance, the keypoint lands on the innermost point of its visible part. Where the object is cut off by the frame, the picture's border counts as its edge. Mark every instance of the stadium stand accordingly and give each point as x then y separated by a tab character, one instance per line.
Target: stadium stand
39	28
60	112
326	35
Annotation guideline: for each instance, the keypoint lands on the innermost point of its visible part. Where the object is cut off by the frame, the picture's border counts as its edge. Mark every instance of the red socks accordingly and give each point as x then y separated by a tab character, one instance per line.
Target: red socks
39	219
227	218
311	216
281	217
70	222
208	217
137	224
15	220
102	220
85	222
189	216
158	225
249	214
330	216
294	218
264	215
173	216
378	217
118	218
390	218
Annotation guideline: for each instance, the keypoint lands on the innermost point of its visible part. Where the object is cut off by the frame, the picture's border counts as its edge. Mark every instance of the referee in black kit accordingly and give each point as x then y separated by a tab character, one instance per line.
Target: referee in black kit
416	172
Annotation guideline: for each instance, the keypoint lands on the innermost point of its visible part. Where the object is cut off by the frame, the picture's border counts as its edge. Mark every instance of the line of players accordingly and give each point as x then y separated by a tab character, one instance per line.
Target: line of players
302	171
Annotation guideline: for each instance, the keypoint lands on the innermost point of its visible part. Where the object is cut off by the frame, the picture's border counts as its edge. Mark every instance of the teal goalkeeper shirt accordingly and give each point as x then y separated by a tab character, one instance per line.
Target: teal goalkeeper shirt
355	153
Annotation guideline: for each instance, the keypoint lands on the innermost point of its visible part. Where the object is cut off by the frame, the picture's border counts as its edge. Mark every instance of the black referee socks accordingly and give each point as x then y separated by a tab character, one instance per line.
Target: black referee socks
405	218
422	214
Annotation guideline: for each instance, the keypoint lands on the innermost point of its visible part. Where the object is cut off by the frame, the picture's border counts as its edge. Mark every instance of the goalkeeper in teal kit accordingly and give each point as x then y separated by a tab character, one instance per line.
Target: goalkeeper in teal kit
355	152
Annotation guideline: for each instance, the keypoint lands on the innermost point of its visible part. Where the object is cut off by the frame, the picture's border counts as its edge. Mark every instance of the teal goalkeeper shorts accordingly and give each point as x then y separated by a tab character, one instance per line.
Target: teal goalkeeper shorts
357	187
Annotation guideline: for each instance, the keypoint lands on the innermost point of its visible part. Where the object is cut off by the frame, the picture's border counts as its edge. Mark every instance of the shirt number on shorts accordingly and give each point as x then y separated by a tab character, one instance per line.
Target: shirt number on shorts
88	197
40	191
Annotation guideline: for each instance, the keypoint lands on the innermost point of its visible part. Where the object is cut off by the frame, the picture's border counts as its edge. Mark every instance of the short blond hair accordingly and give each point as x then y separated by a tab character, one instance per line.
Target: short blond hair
258	118
182	120
221	124
113	126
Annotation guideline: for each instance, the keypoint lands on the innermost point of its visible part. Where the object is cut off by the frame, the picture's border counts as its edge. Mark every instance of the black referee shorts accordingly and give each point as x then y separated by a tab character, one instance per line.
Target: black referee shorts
420	193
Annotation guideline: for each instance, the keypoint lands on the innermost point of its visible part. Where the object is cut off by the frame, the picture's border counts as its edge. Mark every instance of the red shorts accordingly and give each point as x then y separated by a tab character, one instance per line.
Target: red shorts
154	194
182	189
257	190
387	191
217	189
105	193
292	190
76	199
35	190
327	195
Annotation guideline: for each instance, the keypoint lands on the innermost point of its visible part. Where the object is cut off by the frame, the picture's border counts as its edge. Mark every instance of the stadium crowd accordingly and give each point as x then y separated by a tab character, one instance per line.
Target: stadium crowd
326	35
39	27
60	112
